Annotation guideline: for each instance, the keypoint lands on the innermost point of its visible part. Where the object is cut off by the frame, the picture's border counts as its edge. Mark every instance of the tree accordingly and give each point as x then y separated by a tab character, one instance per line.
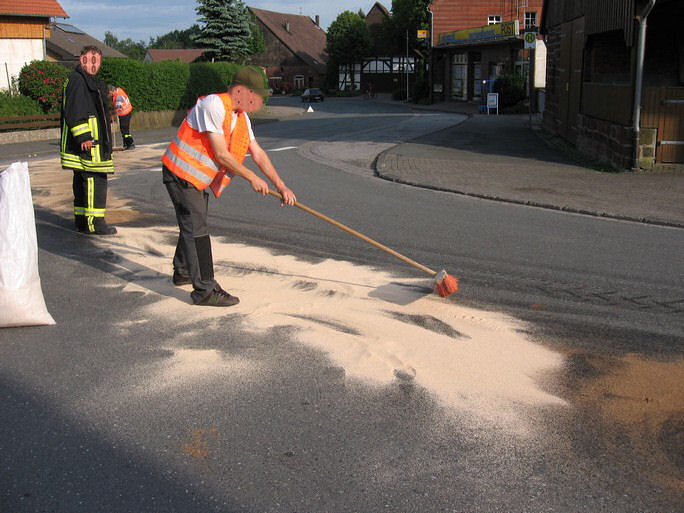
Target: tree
225	31
128	47
408	16
257	42
348	41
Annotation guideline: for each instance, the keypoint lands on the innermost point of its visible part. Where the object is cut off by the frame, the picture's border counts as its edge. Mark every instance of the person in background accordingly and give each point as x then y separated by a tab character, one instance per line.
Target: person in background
86	142
123	108
209	149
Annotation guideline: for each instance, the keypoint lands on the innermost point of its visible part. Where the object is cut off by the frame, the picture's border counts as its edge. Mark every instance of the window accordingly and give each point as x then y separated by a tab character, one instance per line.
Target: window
530	20
299	81
380	65
493	20
400	64
607	59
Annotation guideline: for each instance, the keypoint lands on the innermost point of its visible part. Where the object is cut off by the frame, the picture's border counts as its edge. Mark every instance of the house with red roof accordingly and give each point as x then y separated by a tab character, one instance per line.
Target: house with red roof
295	55
24	31
173	54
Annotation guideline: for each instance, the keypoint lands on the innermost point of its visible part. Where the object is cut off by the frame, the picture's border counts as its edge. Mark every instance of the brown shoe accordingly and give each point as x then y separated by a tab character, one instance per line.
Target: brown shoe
219	297
181	279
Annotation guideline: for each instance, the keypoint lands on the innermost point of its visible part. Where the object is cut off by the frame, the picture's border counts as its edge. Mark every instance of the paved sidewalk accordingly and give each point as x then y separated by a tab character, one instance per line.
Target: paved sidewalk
502	158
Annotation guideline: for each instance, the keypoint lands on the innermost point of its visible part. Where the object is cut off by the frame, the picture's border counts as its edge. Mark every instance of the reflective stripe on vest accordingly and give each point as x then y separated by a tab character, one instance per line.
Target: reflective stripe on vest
190	157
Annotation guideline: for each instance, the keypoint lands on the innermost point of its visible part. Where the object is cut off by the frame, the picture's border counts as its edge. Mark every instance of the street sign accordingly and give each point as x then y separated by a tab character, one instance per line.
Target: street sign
422	34
530	39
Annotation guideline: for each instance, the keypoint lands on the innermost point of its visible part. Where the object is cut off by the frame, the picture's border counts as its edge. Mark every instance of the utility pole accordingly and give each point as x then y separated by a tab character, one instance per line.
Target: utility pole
406	66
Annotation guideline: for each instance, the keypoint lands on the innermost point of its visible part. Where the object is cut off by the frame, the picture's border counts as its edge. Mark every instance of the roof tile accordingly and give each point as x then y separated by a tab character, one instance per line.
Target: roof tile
305	39
32	8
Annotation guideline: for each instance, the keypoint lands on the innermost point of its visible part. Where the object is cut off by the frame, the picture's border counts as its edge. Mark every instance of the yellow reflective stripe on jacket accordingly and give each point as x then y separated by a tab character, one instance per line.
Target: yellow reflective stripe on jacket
81	129
70	159
95	153
75	162
106	166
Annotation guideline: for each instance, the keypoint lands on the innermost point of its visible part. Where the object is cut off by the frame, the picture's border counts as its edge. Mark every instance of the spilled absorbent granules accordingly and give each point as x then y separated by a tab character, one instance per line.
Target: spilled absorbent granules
378	328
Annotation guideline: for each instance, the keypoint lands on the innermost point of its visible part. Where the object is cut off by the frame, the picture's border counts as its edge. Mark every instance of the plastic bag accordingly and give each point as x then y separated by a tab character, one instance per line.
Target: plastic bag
21	297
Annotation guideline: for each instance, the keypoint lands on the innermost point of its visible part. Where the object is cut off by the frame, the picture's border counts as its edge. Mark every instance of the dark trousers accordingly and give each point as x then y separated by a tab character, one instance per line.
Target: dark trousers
90	200
193	249
125	125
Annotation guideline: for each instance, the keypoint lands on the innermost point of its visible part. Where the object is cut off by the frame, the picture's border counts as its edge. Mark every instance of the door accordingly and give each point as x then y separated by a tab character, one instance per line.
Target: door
570	95
459	77
663	109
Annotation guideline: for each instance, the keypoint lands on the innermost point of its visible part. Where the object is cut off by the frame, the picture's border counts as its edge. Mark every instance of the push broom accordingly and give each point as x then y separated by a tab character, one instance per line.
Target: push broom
444	284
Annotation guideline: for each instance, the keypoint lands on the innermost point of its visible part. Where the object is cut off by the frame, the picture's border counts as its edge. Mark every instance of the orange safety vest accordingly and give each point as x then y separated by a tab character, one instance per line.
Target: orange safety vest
121	102
190	157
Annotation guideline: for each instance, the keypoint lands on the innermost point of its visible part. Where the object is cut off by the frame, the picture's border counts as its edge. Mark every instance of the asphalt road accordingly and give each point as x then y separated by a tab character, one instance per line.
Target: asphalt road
295	435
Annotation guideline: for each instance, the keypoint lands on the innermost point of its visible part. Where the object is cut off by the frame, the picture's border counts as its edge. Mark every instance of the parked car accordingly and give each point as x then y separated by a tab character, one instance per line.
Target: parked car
313	94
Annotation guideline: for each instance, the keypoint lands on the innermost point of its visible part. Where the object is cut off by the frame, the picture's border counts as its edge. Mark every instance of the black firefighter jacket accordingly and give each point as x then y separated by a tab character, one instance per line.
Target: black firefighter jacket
85	115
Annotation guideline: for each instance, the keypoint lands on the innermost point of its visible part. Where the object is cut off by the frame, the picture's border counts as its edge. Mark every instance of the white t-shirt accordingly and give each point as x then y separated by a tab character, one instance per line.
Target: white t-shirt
209	113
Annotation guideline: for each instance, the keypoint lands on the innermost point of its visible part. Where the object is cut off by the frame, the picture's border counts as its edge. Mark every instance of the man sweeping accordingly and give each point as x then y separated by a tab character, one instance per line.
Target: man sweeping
209	149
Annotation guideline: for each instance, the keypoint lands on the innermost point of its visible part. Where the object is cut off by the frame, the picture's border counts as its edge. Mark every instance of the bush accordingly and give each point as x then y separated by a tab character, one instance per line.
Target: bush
43	81
167	85
18	105
151	86
512	89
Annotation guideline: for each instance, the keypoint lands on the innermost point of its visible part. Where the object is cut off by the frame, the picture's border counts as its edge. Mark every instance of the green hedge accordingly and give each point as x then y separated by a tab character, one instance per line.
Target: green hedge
151	86
167	85
18	105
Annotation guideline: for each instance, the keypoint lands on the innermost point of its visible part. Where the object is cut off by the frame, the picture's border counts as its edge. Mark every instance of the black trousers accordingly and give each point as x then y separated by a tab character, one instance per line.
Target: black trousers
125	125
193	250
90	200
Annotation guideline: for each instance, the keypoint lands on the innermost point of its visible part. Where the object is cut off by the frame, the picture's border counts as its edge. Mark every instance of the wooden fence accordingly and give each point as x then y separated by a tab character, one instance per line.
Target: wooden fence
10	123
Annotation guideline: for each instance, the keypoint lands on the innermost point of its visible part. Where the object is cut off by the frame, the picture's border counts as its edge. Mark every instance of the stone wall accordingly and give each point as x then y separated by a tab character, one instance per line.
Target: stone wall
605	142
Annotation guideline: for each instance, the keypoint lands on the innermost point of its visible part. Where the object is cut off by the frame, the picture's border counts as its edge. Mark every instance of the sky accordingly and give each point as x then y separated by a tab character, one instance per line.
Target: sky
141	20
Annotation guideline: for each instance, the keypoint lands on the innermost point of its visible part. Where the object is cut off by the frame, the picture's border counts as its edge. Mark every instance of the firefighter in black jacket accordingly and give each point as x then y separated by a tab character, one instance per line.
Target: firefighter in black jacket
86	142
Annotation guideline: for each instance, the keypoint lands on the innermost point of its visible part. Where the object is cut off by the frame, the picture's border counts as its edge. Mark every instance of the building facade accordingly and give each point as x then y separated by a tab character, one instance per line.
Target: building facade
384	70
474	43
615	82
24	31
295	55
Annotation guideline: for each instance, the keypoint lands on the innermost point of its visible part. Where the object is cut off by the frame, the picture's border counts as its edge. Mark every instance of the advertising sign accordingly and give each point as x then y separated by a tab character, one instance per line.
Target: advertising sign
485	33
493	102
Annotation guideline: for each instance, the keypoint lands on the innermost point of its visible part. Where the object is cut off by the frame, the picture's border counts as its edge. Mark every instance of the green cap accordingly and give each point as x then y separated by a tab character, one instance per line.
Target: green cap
250	78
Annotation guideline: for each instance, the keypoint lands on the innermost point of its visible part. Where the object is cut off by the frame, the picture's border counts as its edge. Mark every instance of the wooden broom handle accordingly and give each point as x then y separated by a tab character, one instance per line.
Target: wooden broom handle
359	235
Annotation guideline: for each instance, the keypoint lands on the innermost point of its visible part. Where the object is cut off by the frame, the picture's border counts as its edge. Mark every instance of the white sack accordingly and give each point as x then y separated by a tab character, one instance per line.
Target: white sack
21	298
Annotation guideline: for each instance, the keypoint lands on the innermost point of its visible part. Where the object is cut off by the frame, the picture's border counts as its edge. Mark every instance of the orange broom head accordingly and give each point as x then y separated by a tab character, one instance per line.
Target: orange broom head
445	284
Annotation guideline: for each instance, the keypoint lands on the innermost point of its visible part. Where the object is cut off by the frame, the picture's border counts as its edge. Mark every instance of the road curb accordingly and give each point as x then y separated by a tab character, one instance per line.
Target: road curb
378	165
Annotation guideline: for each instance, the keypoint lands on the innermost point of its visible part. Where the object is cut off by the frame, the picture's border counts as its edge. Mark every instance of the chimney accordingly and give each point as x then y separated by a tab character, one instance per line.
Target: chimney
317	20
